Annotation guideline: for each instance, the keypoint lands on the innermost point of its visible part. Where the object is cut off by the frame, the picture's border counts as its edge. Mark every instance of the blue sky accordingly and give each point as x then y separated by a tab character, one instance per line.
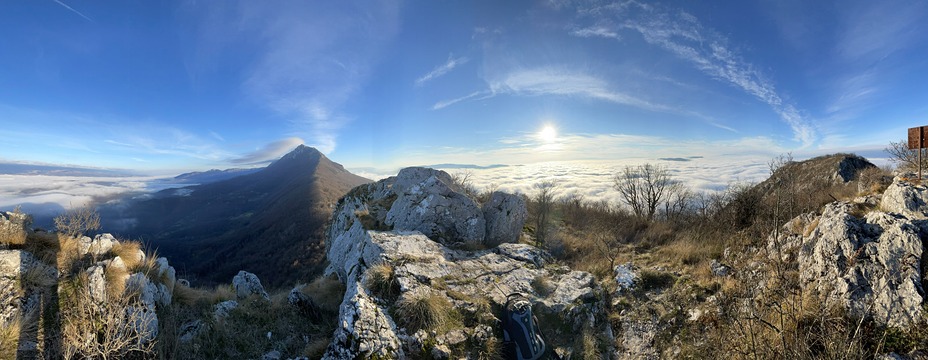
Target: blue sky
175	86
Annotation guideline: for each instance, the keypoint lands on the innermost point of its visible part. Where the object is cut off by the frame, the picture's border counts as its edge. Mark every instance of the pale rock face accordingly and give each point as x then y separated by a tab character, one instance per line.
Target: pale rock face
97	283
427	203
146	322
505	215
99	245
247	284
14	300
624	277
364	329
168	278
904	198
412	222
416	260
221	310
870	266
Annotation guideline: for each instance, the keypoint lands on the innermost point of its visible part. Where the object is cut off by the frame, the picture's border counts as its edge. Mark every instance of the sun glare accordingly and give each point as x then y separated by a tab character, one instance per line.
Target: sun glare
548	133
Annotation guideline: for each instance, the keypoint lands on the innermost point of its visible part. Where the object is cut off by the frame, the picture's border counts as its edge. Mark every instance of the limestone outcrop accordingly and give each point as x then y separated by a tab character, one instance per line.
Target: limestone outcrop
865	260
426	266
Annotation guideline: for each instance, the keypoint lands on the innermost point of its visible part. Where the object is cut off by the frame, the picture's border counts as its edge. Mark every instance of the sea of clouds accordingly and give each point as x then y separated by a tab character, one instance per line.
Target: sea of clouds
594	179
45	195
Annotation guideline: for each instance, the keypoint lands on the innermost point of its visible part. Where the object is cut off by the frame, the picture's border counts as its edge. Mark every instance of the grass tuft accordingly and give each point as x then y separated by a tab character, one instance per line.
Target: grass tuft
381	281
423	311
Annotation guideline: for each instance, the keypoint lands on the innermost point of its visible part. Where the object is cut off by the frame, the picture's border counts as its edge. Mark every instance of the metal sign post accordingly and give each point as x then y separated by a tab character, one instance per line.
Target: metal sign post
917	137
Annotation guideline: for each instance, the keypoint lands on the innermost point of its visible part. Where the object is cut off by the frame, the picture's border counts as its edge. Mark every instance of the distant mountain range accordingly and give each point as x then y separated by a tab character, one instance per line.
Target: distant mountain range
58	170
210	176
267	221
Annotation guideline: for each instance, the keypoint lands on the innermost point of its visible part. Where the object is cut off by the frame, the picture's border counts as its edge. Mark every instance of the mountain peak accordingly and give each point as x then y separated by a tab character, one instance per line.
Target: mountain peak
300	153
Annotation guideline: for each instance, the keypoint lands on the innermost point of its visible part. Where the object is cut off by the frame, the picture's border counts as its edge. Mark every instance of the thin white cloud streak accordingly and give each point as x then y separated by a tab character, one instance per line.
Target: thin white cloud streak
595	31
269	152
683	35
558	81
441	70
527	148
310	57
74	11
870	34
476	95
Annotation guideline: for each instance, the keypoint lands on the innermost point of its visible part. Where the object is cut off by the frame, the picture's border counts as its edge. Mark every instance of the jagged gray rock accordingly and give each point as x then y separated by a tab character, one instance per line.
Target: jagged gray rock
221	310
426	266
247	284
364	329
367	326
304	303
869	266
22	280
719	269
96	280
99	245
427	203
905	198
505	215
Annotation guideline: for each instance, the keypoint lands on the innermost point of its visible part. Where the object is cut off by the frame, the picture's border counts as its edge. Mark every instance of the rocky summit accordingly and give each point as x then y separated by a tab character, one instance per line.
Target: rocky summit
420	230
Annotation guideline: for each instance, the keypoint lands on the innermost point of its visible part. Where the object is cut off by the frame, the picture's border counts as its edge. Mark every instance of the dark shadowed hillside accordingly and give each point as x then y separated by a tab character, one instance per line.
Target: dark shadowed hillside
268	222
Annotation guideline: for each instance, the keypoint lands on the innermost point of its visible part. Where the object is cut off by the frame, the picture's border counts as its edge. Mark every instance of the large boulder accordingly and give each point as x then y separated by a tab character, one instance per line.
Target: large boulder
247	284
22	280
427	202
905	198
505	215
99	245
413	224
468	280
870	266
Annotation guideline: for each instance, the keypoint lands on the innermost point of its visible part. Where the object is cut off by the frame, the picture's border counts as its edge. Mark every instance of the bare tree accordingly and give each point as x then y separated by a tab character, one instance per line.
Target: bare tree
544	204
644	188
76	222
904	158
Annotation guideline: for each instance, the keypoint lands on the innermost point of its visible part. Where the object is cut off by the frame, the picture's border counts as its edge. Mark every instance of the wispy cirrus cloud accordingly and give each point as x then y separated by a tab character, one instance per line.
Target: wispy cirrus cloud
683	35
309	58
595	31
561	81
269	152
74	11
442	69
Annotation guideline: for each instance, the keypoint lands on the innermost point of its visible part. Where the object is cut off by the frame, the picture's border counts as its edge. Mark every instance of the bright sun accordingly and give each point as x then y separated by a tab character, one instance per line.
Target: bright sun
548	133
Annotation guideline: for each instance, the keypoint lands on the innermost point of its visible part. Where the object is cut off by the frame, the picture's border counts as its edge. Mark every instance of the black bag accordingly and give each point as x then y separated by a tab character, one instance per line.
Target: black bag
522	339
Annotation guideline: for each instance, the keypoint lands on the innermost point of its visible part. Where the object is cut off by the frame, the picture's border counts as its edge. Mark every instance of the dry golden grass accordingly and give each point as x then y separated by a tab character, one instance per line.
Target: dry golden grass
12	235
68	252
542	285
589	346
491	349
688	251
115	280
13	331
327	292
128	251
107	330
423	311
196	297
381	281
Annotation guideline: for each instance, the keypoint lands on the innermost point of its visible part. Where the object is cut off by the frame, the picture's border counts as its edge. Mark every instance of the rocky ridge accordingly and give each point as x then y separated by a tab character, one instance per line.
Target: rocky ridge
420	226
